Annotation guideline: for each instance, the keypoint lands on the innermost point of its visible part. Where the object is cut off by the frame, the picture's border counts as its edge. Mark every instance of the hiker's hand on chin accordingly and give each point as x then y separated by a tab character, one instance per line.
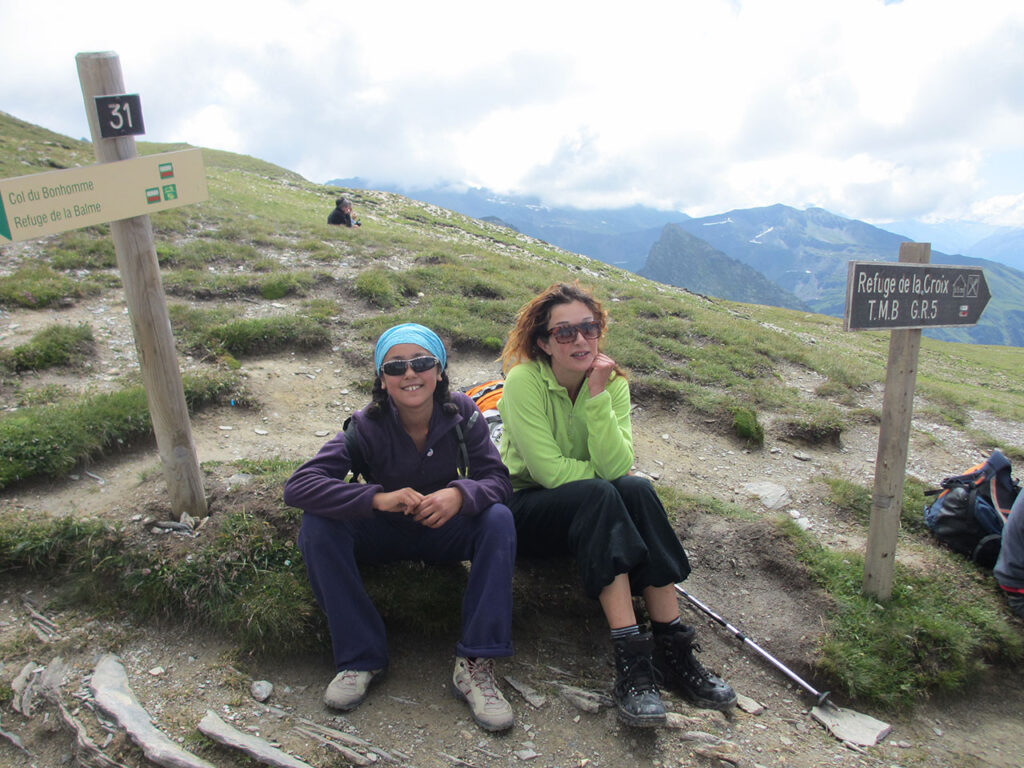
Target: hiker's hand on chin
438	508
403	500
599	373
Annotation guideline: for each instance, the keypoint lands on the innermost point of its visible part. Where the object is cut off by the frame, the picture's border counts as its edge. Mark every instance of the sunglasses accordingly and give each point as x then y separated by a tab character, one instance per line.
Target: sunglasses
565	334
418	364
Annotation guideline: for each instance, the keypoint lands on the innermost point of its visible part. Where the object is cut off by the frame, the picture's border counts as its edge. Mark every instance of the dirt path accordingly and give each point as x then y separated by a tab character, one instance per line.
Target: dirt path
560	639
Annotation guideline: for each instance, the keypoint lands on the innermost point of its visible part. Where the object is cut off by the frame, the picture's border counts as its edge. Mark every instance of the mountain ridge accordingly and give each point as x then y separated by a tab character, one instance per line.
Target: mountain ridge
678	258
802	254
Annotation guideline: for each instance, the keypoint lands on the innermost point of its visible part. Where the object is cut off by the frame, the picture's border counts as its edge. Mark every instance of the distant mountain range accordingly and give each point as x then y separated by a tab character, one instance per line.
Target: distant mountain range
679	258
776	255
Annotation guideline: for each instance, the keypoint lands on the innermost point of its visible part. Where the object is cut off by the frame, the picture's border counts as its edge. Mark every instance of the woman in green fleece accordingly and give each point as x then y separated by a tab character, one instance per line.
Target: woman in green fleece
568	445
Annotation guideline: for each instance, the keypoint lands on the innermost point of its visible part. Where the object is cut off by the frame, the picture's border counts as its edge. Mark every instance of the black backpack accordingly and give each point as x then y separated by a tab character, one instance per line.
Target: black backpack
970	510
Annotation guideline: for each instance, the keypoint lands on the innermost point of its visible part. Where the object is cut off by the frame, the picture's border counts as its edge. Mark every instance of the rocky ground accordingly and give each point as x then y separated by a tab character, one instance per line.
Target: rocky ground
741	569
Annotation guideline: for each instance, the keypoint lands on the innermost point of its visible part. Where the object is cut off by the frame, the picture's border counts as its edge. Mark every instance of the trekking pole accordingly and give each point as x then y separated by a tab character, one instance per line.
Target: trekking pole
822	698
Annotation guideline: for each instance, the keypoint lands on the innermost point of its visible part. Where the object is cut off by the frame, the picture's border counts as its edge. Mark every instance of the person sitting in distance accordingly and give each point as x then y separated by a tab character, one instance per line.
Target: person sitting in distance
342	214
420	501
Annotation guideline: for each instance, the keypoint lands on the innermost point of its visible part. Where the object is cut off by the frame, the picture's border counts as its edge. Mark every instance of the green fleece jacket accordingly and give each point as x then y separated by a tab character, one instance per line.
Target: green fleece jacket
548	440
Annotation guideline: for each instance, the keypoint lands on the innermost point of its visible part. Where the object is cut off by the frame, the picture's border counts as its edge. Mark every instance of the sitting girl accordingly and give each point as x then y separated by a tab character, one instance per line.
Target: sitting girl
419	502
568	444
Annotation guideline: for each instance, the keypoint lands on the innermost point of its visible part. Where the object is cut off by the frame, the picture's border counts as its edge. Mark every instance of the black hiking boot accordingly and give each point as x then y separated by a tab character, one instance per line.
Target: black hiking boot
680	670
636	692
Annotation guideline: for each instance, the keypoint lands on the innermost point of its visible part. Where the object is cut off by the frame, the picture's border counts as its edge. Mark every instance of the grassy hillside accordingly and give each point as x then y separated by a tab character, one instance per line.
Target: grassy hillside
467	278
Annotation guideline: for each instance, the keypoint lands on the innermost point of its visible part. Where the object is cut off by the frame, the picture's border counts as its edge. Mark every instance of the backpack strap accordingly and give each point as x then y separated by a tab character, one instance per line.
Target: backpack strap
462	453
986	552
355	452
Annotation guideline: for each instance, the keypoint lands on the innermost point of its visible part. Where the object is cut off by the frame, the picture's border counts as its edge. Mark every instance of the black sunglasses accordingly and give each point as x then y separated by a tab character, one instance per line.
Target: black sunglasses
565	334
419	365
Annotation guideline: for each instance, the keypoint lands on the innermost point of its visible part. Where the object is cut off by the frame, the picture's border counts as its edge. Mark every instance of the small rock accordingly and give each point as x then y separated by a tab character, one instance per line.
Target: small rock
772	495
261	690
225	428
724	751
535	699
157	671
801	456
237	480
526	754
748	705
678	721
261	431
321	433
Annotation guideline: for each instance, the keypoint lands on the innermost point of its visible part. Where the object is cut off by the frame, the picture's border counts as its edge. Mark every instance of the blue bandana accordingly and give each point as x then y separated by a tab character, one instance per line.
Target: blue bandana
409	333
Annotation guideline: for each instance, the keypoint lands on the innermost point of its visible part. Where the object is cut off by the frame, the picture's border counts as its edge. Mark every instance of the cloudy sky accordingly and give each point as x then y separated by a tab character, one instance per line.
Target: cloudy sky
874	110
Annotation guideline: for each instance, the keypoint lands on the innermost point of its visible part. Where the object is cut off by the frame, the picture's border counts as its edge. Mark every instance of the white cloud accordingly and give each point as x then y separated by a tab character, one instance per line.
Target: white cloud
873	110
1004	210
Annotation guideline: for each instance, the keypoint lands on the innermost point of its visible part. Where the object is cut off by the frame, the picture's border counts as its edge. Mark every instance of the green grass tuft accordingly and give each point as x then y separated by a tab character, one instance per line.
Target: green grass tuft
49	440
747	427
38	286
55	345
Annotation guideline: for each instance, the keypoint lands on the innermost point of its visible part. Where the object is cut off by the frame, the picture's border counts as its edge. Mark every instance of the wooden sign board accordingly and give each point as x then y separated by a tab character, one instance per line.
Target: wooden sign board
887	296
48	203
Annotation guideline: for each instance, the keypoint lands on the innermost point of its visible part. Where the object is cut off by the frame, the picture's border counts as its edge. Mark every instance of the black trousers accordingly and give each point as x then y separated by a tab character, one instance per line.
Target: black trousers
610	527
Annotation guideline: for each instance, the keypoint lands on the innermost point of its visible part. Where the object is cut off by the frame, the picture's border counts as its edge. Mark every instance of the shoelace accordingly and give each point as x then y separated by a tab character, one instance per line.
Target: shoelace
687	662
640	674
349	676
481	672
693	667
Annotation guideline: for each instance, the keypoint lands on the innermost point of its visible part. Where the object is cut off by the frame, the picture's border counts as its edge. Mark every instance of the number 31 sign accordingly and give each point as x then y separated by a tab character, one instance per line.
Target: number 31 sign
120	115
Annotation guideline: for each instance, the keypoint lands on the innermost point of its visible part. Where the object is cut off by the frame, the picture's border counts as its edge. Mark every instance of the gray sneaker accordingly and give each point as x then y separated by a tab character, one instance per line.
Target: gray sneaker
473	683
348	688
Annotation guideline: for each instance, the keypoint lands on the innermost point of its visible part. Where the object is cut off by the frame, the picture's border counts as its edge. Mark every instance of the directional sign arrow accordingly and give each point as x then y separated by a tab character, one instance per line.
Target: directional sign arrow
883	295
5	227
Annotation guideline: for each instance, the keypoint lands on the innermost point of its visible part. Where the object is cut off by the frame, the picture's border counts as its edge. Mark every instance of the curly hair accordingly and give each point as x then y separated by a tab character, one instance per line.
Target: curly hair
379	398
532	323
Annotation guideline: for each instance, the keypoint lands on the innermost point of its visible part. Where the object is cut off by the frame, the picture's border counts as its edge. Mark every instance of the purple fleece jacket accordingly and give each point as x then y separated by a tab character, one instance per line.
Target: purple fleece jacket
319	486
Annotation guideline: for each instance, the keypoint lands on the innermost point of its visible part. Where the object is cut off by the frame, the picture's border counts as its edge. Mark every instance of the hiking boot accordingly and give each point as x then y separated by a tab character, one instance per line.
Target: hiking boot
473	683
348	688
636	692
680	670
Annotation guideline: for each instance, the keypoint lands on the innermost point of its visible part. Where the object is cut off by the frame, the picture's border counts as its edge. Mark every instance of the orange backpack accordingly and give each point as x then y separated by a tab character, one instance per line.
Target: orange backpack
486	397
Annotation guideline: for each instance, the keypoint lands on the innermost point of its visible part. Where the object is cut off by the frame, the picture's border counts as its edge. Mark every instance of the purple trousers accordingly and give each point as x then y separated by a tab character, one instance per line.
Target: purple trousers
333	549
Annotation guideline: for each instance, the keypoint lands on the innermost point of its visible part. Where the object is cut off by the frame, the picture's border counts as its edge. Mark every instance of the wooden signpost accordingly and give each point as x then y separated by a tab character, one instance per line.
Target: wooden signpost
100	75
904	297
123	190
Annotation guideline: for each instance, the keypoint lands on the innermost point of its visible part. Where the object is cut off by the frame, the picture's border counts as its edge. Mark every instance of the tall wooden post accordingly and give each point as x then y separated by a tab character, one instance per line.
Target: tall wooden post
893	443
100	75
